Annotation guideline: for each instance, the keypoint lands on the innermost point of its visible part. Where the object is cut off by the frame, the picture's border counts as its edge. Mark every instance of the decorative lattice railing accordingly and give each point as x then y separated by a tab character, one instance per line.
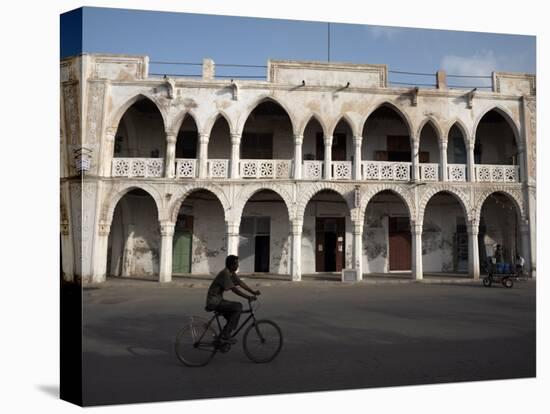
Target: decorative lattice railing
137	167
265	168
386	170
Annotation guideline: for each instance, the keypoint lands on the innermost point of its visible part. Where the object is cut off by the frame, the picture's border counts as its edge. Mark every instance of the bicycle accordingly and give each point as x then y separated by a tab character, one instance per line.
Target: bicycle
198	342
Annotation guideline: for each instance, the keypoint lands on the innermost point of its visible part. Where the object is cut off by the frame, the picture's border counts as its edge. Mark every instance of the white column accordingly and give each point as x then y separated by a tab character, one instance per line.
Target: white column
357	140
296	234
471	162
233	239
416	245
235	155
107	152
525	245
328	157
415	146
166	240
203	155
298	141
100	253
358	248
170	160
443	160
473	249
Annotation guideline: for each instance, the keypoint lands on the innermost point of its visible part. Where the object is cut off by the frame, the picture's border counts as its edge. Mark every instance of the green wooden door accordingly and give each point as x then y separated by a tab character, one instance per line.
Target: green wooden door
181	248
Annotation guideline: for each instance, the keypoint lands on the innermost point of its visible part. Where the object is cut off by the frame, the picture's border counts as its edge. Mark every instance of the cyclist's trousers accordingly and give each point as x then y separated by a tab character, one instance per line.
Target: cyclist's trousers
231	311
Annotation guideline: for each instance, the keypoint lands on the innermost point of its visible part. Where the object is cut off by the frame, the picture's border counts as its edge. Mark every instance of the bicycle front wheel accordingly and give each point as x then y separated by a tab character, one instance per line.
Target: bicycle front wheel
262	341
196	344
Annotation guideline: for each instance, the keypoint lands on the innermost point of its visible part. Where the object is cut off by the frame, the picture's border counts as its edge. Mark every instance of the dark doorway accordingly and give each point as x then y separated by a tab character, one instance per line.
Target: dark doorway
330	246
400	243
261	255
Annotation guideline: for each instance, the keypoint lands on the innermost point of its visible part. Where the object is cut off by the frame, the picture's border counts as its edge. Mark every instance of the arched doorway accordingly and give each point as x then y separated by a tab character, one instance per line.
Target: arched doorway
495	151
267	143
457	157
387	234
499	225
445	235
428	156
264	240
219	149
186	149
134	239
326	235
313	150
140	142
386	146
200	240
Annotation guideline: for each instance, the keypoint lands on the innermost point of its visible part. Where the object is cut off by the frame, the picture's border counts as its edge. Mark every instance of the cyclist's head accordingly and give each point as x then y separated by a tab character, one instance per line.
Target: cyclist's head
232	262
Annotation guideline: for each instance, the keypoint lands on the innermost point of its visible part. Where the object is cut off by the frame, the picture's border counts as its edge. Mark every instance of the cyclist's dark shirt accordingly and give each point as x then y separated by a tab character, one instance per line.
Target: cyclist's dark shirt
225	280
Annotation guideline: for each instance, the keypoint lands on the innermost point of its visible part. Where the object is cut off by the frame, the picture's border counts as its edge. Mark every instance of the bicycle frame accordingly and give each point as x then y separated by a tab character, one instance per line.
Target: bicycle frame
235	333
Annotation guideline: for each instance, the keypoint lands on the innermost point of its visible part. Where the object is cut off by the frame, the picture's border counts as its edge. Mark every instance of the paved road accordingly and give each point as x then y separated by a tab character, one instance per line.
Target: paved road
336	337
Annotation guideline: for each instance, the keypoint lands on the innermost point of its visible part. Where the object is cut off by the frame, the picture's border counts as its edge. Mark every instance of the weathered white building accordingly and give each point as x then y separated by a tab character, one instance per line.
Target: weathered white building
321	167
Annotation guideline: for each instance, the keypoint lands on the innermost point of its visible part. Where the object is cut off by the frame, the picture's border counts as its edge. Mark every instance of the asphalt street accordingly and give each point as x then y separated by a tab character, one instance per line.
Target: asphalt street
336	336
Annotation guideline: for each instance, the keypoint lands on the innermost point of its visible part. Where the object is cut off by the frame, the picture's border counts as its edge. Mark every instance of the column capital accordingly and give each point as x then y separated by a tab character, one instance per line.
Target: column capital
233	228
298	139
416	228
357	140
296	227
166	228
204	138
357	227
524	226
64	227
171	133
443	143
470	145
327	139
473	228
235	138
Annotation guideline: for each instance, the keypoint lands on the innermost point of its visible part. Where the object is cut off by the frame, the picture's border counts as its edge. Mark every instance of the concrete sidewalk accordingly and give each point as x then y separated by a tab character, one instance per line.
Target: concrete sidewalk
257	280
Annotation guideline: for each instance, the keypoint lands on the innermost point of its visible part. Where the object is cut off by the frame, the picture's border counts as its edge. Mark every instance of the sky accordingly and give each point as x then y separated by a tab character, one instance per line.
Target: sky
185	37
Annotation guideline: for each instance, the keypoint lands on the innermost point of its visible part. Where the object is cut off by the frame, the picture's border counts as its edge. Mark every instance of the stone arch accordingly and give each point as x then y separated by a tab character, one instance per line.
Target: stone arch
346	119
177	122
461	196
184	191
347	193
248	192
307	120
400	190
461	126
402	114
209	124
433	122
258	102
513	195
121	110
507	117
112	199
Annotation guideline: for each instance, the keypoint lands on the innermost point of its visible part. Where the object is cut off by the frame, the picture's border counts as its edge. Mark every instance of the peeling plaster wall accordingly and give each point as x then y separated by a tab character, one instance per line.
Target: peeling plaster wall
209	243
438	235
279	238
134	241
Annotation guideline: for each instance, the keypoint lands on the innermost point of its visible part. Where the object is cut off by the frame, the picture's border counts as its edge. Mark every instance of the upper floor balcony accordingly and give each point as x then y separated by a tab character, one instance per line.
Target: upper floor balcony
268	147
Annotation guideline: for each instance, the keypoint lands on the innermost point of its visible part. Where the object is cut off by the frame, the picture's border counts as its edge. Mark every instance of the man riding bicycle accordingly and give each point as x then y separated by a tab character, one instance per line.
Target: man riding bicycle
227	279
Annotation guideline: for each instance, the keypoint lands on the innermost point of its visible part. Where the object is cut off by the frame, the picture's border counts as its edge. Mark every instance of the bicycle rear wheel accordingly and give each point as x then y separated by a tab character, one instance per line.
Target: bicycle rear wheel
262	341
195	344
